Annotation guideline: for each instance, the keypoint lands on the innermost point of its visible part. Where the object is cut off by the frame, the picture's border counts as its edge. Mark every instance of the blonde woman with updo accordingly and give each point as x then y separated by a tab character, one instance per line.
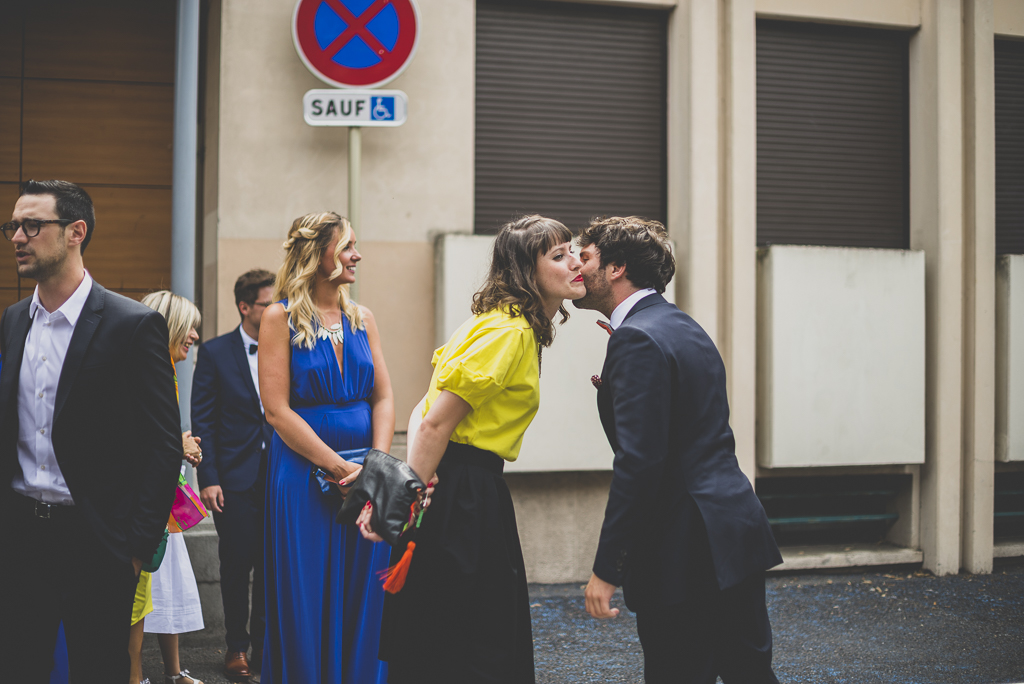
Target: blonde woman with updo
325	389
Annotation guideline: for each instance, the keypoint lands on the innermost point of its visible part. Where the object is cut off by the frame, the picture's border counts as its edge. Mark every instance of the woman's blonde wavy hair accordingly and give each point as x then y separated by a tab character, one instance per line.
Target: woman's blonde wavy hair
181	315
308	239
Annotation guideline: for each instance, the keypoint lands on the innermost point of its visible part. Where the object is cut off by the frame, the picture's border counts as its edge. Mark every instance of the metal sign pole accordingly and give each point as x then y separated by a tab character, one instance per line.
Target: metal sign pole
355	157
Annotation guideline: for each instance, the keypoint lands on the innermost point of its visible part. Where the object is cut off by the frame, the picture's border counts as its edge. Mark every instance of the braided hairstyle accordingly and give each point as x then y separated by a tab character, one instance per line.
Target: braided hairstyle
308	239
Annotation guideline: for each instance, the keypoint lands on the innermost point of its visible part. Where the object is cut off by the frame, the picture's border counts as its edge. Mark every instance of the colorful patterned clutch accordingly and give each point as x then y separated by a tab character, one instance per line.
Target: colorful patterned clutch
188	510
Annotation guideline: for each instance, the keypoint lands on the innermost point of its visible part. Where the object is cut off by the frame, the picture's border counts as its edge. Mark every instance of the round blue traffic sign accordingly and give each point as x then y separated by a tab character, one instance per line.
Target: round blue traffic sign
355	43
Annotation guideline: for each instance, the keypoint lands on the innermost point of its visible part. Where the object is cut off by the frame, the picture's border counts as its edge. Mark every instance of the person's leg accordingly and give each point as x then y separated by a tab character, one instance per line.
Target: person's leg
676	643
240	534
30	570
169	652
135	637
96	605
258	612
745	652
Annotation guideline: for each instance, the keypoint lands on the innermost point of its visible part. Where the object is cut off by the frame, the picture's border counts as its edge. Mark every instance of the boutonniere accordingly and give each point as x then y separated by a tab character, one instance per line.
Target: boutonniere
596	379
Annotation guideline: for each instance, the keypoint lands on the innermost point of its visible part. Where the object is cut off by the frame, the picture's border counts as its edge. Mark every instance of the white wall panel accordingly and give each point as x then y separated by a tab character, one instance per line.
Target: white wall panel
1010	358
841	357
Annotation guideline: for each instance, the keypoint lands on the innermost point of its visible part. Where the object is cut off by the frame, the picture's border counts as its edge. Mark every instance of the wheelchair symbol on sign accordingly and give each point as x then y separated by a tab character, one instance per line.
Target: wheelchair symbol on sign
383	109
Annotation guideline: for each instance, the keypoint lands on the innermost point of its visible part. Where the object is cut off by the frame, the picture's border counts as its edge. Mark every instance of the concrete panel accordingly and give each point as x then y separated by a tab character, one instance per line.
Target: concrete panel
567	433
1010	358
885	13
841	357
1008	17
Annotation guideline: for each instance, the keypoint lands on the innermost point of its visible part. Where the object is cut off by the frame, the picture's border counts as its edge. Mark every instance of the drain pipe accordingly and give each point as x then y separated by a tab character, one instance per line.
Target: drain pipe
183	187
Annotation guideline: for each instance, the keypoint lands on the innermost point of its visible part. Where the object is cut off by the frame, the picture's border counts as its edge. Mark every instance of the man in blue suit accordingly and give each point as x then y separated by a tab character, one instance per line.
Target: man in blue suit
228	414
683	534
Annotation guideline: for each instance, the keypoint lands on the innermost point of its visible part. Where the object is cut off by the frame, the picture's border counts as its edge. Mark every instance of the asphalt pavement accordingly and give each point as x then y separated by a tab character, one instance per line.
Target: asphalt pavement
895	625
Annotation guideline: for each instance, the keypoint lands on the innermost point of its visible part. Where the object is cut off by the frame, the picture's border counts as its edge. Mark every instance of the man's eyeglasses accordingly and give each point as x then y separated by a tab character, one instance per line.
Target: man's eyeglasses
30	226
263	304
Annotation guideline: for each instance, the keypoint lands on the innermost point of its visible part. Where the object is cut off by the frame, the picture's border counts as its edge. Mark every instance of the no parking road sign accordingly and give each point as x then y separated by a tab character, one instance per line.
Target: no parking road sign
333	107
355	43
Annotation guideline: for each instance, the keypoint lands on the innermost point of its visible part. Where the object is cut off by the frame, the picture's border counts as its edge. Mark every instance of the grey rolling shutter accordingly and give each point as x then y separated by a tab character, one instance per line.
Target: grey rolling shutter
570	112
832	135
1009	147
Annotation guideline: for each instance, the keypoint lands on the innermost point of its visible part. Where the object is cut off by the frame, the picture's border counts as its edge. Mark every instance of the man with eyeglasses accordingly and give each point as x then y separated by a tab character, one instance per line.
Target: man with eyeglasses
90	446
228	414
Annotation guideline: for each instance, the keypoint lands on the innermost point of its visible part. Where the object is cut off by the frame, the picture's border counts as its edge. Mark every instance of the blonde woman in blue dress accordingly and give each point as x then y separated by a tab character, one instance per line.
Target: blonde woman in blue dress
325	389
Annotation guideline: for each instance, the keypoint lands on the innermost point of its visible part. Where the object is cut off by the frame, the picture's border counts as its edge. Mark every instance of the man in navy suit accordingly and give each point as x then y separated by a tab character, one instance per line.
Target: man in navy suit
228	414
683	534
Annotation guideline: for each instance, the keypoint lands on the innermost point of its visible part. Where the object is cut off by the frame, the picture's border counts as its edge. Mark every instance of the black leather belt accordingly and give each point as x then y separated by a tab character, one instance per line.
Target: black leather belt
41	509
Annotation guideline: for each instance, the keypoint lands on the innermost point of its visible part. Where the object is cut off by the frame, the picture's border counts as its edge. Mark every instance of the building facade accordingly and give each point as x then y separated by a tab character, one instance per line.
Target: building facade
842	181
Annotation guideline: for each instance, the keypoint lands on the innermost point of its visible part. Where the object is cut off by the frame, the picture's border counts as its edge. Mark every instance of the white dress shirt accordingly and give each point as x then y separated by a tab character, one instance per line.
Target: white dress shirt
253	365
45	348
626	305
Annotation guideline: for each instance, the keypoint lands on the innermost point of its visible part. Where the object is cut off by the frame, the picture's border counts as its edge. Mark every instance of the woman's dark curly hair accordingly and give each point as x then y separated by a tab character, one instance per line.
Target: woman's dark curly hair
511	281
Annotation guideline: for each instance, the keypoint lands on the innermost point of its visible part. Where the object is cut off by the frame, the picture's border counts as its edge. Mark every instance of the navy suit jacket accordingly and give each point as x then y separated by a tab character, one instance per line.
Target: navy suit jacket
226	415
116	427
682	518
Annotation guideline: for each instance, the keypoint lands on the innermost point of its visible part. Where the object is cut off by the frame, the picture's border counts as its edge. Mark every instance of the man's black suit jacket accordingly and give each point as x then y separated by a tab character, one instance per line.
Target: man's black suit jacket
682	518
226	415
116	426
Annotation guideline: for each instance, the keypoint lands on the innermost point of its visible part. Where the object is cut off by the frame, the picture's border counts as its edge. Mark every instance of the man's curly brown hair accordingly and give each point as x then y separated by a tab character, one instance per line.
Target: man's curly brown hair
642	246
511	281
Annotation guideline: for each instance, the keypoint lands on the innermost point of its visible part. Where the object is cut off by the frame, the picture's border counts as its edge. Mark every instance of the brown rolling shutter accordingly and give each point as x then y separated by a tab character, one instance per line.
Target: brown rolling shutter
1009	147
570	112
832	135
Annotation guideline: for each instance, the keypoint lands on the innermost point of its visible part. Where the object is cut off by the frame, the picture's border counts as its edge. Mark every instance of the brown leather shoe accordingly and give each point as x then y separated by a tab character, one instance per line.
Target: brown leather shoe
236	666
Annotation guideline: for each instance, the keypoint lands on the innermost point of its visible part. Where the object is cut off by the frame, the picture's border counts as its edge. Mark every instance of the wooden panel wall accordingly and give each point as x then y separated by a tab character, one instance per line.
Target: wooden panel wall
87	95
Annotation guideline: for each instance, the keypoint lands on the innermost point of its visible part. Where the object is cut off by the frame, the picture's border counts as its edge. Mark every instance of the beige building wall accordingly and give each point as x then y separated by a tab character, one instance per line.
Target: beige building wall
271	168
264	167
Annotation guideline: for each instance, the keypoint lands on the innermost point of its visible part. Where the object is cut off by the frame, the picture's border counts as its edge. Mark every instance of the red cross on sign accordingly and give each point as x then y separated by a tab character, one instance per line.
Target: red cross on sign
355	43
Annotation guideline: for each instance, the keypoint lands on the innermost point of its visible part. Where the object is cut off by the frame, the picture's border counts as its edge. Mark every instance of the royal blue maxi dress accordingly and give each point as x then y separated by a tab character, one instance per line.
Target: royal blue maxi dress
324	597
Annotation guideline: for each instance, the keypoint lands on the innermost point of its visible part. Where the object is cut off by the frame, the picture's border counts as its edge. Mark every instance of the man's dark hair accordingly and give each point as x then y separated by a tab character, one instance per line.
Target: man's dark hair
249	284
642	246
73	203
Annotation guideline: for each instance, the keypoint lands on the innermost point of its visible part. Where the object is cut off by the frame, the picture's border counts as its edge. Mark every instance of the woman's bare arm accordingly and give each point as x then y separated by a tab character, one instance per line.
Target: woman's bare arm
275	356
445	414
382	401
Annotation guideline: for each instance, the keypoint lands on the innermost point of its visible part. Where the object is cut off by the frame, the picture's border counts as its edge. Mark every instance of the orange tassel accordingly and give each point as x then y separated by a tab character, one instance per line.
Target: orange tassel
394	577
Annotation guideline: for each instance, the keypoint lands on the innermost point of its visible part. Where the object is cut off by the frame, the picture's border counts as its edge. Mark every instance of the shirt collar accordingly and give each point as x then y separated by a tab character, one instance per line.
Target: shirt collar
72	308
626	305
246	340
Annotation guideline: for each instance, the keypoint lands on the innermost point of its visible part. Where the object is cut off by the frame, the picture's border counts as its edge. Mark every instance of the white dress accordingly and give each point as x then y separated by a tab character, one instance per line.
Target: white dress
176	607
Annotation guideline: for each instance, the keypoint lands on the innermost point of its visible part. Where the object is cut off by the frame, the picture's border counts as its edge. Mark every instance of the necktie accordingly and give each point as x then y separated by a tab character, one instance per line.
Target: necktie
252	349
607	328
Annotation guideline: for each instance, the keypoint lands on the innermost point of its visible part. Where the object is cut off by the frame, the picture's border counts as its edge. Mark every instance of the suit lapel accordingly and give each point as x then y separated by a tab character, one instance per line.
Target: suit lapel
92	314
12	356
11	369
239	352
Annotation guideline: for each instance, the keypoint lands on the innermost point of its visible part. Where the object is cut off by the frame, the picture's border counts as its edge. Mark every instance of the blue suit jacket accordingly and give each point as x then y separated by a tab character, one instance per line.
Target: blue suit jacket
682	518
226	415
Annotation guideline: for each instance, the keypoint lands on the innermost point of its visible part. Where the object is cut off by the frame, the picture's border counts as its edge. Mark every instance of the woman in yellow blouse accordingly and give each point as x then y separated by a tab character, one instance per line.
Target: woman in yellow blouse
464	613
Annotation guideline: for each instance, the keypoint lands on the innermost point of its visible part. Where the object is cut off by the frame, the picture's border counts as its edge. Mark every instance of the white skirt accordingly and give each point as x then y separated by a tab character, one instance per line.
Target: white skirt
176	607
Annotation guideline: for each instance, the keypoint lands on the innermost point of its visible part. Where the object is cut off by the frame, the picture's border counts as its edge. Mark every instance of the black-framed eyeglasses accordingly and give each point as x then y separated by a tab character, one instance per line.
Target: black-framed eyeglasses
30	226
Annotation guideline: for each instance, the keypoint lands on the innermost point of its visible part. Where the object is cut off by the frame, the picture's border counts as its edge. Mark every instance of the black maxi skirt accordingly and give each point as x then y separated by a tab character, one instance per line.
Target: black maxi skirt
464	613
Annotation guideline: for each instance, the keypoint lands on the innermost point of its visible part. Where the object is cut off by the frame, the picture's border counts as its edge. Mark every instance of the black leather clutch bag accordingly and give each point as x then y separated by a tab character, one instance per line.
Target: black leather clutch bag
392	487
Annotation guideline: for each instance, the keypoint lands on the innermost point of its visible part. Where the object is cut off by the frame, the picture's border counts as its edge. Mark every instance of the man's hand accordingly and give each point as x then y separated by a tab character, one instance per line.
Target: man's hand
598	598
136	565
212	497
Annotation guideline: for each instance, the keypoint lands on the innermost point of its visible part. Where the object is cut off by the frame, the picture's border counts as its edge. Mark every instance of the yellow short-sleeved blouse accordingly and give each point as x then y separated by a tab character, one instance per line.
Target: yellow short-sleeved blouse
491	363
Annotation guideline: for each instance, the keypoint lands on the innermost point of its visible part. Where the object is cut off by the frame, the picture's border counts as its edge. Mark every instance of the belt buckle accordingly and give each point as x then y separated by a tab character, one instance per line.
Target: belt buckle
43	510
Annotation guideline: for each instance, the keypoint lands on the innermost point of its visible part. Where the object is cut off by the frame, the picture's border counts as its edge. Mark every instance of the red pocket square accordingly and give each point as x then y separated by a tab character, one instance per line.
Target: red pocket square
596	379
